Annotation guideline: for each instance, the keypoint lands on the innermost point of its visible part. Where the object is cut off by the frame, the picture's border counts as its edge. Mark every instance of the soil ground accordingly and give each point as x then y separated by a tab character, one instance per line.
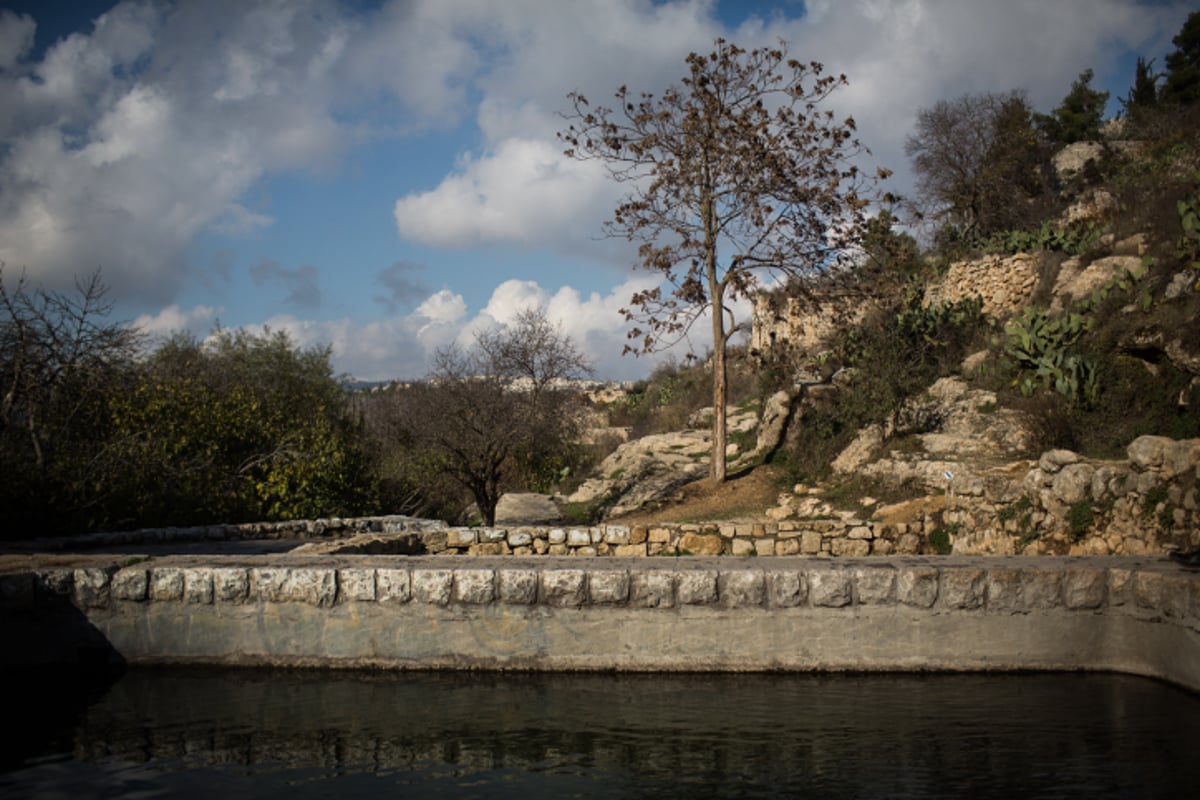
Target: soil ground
742	498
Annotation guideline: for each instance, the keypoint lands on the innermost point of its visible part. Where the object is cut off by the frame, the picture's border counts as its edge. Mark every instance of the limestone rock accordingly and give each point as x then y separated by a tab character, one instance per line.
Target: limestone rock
526	508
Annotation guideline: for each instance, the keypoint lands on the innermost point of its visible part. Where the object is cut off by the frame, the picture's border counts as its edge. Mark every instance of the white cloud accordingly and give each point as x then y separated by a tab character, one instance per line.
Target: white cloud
898	56
403	346
173	319
121	145
16	37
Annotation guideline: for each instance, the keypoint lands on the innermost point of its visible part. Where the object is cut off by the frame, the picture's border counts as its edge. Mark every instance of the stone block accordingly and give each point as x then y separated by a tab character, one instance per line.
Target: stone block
475	586
1175	595
701	544
131	583
55	582
166	583
608	586
520	538
493	535
393	586
1120	583
460	537
764	547
1004	589
810	543
585	551
488	549
1083	587
564	587
315	586
787	547
356	585
696	587
556	536
829	588
917	586
652	589
432	586
92	588
518	587
578	537
1147	590
860	532
850	548
742	547
630	550
742	588
660	535
639	534
1041	588
616	534
786	588
230	584
963	588
198	585
875	585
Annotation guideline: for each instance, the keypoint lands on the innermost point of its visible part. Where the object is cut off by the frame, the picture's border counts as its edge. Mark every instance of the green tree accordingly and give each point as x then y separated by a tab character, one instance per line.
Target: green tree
241	426
1143	94
1078	117
979	163
733	174
1182	84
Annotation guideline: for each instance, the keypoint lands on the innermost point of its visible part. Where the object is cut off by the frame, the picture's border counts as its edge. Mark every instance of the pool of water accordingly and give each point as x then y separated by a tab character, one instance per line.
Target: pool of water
235	733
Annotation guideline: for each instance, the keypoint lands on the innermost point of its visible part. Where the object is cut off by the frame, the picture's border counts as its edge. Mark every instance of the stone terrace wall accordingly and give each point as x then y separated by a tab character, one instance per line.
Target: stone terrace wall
1004	283
1129	615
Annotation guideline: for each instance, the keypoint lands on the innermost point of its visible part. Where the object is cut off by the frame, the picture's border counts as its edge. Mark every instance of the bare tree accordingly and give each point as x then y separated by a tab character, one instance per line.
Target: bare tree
734	174
490	414
978	162
59	359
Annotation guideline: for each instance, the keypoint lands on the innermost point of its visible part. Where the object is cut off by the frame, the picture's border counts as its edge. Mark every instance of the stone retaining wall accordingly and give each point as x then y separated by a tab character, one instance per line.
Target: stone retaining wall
1129	615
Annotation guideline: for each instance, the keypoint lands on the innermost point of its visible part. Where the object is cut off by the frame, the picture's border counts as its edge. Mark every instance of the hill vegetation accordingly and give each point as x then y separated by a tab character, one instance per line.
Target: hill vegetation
99	430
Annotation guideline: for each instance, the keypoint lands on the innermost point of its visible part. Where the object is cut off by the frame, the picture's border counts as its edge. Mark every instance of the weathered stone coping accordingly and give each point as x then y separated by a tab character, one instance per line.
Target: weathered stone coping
1132	615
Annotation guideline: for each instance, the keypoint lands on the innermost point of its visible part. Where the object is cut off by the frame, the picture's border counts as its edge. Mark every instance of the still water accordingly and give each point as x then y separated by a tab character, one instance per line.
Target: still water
234	733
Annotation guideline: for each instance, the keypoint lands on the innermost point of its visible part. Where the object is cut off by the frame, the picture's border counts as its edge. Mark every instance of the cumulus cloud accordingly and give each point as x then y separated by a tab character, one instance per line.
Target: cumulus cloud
403	346
122	144
173	319
898	56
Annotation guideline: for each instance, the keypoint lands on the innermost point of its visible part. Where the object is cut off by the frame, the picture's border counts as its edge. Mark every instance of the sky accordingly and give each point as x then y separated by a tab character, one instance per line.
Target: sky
384	177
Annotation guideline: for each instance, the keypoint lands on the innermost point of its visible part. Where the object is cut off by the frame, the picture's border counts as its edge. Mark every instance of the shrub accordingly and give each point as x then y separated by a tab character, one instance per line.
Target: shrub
1080	519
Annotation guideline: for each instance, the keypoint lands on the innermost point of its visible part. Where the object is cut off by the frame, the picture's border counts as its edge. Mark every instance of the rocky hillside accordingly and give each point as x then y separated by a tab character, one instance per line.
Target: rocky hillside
1071	427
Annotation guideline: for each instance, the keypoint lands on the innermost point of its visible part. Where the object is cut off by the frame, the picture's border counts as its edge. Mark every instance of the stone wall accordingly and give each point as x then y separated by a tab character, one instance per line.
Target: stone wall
1132	615
1005	284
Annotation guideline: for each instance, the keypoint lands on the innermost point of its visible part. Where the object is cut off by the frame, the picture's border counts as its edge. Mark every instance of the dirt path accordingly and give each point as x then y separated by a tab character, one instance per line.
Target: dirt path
742	498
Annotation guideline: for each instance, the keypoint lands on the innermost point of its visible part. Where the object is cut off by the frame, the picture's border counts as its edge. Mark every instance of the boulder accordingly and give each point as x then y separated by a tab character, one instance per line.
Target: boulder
526	508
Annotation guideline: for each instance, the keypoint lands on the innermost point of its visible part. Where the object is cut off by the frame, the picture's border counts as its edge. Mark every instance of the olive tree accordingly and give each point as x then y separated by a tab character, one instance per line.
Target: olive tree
735	174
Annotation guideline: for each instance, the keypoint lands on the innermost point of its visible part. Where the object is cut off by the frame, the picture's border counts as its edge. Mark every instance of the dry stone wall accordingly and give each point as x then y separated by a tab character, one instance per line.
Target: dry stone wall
1005	284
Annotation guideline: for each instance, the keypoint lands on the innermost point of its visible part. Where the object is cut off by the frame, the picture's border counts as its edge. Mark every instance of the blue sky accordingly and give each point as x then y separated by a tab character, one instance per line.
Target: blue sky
383	176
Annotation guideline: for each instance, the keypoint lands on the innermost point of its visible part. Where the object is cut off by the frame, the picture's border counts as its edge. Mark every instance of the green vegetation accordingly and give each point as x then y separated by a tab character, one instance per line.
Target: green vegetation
1080	518
939	539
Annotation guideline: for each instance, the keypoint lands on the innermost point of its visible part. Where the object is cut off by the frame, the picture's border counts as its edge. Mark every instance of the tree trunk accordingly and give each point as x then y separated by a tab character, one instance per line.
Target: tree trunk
717	470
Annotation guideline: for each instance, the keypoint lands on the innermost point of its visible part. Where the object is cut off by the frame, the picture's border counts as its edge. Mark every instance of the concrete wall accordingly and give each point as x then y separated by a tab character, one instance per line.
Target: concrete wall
1129	615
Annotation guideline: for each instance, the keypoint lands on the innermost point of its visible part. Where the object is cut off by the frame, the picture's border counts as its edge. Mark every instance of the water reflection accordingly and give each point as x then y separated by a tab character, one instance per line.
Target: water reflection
252	733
